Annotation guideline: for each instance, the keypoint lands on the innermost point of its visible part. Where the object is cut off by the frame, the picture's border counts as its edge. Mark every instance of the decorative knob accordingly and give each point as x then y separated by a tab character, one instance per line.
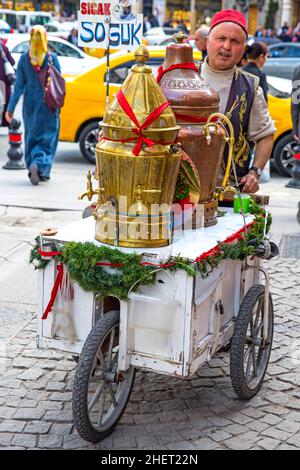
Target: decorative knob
141	54
180	37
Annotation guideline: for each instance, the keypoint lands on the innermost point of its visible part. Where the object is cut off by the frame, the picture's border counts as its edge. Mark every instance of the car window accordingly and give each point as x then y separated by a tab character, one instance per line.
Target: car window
39	19
51	28
64	50
293	51
21	48
10	19
279	51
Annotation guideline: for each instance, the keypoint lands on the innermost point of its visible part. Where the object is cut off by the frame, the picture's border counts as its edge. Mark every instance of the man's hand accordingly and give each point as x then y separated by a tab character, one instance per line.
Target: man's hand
9	116
250	182
295	137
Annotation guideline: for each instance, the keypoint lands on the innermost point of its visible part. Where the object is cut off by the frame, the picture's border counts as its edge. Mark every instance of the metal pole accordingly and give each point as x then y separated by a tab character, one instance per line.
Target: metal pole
193	16
108	64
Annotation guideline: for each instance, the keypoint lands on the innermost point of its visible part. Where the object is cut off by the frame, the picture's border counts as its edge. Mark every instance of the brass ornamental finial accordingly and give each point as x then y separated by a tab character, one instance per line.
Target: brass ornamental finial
180	37
141	54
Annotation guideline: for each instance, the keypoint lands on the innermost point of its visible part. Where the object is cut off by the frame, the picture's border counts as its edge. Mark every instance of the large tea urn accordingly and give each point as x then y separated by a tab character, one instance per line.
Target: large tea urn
196	107
137	163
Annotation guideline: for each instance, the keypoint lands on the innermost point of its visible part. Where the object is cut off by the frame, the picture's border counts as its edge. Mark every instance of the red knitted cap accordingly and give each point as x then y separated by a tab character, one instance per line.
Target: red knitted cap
233	16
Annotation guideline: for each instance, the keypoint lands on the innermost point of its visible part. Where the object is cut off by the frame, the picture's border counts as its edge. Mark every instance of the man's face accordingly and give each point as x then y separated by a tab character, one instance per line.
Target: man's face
225	46
200	42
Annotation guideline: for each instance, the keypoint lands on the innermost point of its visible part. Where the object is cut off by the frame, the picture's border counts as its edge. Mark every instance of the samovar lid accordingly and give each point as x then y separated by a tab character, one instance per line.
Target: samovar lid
143	96
184	87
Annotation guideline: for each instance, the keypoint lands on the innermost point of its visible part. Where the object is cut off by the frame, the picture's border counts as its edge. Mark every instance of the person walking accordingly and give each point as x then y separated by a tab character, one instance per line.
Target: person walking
200	39
241	98
41	124
257	55
6	79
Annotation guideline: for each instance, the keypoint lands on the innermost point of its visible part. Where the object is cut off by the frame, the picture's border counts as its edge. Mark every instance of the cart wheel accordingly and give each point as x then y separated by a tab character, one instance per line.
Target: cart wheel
249	356
100	393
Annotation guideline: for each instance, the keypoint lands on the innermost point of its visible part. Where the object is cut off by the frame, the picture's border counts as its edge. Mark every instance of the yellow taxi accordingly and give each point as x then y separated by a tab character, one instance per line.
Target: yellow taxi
86	96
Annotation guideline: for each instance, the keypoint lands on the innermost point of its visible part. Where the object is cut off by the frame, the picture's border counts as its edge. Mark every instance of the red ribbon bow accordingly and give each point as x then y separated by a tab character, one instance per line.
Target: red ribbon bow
138	130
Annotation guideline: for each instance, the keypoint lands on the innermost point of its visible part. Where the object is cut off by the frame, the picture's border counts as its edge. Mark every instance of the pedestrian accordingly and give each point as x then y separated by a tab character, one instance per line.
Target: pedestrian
41	124
241	98
73	37
7	77
200	39
295	104
257	55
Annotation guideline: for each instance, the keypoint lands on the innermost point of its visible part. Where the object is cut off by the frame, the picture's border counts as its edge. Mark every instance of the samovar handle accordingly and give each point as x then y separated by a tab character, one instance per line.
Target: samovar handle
225	186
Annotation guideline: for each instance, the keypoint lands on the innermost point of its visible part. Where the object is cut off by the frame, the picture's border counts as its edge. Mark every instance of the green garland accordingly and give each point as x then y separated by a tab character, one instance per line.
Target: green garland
81	261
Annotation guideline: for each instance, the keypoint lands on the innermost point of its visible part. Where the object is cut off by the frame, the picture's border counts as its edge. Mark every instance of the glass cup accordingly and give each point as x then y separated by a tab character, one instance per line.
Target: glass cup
241	201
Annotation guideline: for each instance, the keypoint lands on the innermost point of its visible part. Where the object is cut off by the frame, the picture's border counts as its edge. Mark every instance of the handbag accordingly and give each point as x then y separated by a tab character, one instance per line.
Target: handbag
9	71
53	84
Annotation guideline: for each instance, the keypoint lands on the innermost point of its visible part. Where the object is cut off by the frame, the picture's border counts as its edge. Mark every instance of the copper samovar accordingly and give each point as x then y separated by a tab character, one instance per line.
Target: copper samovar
137	164
202	134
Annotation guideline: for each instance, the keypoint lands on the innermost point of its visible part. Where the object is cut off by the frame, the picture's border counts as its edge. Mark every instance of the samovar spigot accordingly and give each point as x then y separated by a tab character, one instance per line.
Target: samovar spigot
90	192
139	200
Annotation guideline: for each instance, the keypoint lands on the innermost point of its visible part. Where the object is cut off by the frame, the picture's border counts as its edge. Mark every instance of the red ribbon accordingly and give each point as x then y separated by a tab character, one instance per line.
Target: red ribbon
183	65
138	131
49	253
57	284
194	119
235	236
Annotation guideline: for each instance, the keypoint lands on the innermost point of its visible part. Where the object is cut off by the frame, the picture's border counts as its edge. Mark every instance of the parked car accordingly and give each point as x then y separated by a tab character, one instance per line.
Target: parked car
87	93
279	99
5	28
73	61
283	59
85	98
22	21
61	29
156	36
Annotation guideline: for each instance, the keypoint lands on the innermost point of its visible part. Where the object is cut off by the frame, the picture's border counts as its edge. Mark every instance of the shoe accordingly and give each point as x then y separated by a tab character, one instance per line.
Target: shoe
44	178
34	174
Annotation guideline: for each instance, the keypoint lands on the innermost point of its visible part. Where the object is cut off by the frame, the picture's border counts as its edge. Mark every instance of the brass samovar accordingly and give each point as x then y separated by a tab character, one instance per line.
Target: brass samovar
202	134
137	164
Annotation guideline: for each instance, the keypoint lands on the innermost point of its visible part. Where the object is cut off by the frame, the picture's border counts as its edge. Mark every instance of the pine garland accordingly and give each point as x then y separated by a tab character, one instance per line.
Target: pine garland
127	268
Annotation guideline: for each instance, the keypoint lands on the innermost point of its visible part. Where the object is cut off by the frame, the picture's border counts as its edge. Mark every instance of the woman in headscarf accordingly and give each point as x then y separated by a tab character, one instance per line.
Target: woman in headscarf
41	124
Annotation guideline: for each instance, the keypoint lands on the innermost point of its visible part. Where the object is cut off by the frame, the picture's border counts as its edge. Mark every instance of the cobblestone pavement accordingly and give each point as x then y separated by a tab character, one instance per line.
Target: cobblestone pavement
163	412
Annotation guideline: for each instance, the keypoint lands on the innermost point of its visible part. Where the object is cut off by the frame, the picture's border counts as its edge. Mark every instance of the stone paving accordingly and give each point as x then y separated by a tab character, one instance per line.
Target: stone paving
163	412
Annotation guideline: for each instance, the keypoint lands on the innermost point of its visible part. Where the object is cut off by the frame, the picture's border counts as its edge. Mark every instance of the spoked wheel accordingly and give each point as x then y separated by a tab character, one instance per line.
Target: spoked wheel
249	356
100	392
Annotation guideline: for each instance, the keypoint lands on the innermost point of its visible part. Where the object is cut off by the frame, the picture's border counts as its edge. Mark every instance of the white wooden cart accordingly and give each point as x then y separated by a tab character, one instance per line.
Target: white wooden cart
172	327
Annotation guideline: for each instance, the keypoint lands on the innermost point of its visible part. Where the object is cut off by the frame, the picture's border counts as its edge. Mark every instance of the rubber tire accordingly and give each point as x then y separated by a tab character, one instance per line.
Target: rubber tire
83	135
80	415
277	154
238	341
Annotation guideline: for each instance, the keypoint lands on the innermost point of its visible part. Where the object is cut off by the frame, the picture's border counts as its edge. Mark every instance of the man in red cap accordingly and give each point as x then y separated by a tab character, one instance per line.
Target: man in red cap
241	98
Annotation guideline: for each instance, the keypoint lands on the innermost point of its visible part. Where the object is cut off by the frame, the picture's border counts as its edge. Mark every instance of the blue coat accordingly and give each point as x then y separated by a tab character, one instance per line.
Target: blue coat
41	124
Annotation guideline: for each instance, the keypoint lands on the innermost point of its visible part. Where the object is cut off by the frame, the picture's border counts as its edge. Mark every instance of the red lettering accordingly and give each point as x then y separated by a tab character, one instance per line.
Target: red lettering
107	9
88	8
83	8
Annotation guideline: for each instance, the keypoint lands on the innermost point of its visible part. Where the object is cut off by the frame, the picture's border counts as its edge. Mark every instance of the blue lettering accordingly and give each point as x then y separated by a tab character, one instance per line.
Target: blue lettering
99	35
90	35
134	33
114	35
125	38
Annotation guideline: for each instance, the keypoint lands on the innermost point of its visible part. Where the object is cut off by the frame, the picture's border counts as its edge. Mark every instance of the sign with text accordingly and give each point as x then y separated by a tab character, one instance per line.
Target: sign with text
124	11
93	32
